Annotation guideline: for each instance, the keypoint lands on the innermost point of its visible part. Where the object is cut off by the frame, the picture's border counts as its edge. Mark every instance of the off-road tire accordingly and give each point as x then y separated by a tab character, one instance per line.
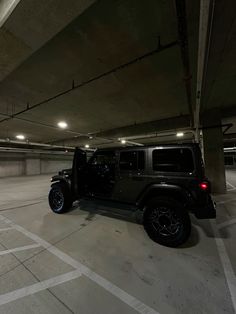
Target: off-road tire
166	221
59	198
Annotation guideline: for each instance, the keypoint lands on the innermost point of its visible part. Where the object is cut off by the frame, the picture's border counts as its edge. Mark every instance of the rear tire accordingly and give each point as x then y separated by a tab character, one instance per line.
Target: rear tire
59	198
167	222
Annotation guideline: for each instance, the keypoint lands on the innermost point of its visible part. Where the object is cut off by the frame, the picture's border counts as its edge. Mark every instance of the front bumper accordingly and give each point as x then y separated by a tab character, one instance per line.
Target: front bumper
207	211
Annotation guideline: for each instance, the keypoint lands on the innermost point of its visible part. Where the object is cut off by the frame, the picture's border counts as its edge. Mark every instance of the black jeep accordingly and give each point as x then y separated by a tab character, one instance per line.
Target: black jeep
164	182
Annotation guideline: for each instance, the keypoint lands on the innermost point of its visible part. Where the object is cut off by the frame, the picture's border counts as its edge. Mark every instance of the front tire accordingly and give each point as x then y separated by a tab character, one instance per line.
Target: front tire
59	198
167	222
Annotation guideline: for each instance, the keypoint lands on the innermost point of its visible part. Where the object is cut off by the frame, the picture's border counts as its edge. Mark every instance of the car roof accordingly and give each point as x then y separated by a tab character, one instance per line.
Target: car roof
138	147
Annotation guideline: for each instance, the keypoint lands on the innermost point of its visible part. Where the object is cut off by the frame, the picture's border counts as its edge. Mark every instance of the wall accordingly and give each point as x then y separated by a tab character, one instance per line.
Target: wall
11	164
18	164
32	166
54	163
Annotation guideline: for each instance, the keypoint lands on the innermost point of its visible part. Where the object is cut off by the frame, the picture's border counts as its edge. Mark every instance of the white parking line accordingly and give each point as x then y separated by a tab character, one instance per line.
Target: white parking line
226	201
225	261
21	248
39	286
6	229
233	189
133	302
226	223
231	185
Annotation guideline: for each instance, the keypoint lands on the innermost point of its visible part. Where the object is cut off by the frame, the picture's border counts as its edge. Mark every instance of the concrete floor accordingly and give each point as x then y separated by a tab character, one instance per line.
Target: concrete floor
95	259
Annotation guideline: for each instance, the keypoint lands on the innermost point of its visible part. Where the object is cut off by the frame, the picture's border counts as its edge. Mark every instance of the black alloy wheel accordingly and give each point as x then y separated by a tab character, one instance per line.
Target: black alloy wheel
167	222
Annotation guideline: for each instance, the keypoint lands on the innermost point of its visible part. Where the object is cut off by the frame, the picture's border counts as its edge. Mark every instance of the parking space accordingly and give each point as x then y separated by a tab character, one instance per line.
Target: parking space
82	261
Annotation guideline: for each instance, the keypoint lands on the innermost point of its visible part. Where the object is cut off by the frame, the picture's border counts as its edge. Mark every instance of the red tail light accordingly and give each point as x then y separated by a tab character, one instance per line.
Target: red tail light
204	186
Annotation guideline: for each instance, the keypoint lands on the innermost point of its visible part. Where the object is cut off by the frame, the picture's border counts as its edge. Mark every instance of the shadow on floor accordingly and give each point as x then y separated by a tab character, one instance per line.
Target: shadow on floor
116	211
123	212
205	226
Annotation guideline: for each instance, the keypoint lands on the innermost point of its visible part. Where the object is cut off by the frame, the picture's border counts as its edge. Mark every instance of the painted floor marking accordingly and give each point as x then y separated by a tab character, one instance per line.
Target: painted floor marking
227	266
6	229
229	190
226	201
21	248
134	303
231	185
39	286
226	223
233	188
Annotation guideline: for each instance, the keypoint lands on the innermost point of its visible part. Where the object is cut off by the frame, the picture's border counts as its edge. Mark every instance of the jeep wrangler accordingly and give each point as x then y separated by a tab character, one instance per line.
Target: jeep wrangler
165	183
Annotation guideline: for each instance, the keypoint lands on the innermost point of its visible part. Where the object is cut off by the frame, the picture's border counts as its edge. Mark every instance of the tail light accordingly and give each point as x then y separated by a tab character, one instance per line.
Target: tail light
204	186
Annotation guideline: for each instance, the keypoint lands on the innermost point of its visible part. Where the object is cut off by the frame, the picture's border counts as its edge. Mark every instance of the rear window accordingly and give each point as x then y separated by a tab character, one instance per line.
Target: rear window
132	160
173	160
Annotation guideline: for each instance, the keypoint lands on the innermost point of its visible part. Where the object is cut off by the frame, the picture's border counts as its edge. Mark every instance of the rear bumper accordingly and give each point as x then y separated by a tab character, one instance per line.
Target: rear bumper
207	211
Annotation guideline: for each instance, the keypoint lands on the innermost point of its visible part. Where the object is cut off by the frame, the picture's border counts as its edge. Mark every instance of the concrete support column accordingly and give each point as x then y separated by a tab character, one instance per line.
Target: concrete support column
214	150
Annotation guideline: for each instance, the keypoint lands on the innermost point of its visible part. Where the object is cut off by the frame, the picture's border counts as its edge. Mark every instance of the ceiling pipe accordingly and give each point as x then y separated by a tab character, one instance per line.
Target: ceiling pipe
127	141
8	141
134	143
74	86
159	134
183	42
41	124
205	22
33	151
72	148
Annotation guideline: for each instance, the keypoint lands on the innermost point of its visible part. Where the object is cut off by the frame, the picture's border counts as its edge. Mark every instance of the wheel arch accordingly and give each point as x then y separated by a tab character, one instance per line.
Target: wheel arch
157	190
61	179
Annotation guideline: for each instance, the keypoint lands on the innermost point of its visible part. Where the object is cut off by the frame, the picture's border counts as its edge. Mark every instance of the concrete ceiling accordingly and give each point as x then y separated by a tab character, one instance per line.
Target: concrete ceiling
59	46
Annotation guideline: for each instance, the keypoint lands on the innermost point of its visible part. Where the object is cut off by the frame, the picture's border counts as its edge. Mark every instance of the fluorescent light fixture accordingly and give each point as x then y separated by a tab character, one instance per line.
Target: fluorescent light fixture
86	146
123	141
20	136
62	124
229	148
179	134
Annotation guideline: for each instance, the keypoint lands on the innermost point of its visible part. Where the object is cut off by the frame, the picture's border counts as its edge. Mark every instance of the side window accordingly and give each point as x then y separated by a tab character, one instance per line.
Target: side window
132	160
173	160
103	158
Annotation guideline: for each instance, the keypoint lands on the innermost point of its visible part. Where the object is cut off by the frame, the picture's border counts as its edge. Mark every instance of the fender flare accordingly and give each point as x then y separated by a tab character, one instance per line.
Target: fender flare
154	190
61	178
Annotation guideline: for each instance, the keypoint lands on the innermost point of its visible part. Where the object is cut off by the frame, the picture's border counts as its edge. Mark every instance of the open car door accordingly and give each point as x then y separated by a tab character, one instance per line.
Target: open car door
77	177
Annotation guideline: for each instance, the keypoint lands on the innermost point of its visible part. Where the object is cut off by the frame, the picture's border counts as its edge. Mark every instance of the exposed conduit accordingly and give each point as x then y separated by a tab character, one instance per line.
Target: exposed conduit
203	53
183	41
160	48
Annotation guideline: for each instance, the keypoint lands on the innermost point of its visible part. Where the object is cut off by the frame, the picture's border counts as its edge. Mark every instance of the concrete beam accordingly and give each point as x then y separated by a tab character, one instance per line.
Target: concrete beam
25	26
6	8
148	127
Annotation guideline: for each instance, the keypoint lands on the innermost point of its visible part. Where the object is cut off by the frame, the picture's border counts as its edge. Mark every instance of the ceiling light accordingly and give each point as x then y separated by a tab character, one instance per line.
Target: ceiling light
86	146
62	124
180	134
123	141
90	137
20	137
